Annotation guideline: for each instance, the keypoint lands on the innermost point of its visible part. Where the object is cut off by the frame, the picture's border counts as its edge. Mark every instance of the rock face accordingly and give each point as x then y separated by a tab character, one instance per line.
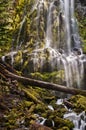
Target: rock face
83	2
81	7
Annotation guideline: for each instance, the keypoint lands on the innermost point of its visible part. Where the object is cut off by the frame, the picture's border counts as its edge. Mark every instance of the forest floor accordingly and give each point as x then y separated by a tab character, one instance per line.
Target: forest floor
23	107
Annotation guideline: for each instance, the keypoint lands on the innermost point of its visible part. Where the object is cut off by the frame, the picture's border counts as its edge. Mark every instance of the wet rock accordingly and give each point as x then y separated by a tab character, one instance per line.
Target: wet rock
48	123
79	103
77	51
83	2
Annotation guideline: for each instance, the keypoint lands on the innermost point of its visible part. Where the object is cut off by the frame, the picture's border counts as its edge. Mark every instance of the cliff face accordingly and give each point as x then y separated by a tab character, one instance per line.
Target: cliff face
80	8
83	2
18	25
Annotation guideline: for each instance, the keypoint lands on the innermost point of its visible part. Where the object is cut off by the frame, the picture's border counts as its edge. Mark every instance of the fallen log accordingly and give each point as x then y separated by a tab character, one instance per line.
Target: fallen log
8	67
41	84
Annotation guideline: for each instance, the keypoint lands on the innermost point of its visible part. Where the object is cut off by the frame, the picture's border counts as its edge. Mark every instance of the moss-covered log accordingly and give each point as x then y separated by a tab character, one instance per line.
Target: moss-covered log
41	84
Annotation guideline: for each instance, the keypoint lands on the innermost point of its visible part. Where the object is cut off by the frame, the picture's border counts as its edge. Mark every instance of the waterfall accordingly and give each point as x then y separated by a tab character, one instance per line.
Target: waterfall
67	24
69	42
61	47
19	43
49	26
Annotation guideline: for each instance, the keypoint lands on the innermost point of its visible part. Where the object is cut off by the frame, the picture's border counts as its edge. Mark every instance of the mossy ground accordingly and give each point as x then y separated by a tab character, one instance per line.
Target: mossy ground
22	105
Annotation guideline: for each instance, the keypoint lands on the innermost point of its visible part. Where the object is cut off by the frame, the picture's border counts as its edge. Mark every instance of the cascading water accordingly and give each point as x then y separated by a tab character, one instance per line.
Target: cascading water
68	39
79	120
67	24
19	43
64	50
49	26
56	27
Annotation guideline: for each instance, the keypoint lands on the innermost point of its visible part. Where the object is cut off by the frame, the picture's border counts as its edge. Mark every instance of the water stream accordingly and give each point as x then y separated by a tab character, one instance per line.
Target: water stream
79	120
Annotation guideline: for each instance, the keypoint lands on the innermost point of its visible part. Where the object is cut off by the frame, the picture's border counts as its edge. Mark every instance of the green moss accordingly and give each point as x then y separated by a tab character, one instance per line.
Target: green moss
12	115
79	103
64	128
28	107
38	75
82	30
59	112
18	57
84	46
10	119
31	95
40	108
59	122
27	103
56	76
49	99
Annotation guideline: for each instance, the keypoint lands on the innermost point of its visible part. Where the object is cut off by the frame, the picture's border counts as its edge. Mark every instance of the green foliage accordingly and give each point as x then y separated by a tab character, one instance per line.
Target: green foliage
14	19
5	24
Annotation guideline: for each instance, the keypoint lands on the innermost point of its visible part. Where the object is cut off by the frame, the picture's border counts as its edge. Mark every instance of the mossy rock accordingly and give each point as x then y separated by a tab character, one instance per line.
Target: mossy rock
48	122
40	109
59	123
82	31
79	103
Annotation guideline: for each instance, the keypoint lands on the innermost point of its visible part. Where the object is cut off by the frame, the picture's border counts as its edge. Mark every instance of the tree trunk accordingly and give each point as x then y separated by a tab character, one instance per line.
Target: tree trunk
41	84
